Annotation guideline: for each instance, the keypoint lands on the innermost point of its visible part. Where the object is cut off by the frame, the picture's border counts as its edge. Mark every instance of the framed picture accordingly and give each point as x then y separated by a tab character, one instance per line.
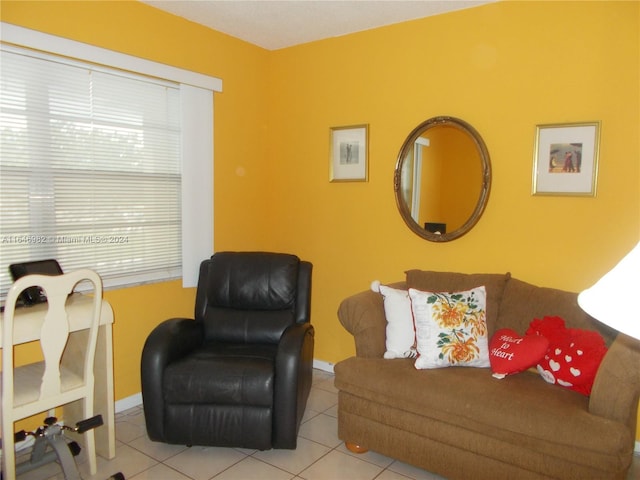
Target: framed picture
565	160
348	160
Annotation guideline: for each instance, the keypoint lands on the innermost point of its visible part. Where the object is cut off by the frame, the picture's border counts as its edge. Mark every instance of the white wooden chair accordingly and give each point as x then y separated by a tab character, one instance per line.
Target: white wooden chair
59	379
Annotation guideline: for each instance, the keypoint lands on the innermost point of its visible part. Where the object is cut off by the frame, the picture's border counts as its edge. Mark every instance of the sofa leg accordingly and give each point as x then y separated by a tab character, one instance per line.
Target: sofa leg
352	447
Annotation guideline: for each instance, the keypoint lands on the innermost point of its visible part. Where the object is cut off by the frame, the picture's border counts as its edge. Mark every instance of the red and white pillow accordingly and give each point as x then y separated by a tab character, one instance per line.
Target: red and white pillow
511	353
573	357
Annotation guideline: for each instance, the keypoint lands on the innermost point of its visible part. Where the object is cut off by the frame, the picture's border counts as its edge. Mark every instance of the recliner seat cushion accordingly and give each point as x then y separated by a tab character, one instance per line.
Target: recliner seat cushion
219	374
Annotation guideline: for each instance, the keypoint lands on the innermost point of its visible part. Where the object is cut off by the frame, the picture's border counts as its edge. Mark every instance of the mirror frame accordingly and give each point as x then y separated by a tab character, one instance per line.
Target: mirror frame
486	178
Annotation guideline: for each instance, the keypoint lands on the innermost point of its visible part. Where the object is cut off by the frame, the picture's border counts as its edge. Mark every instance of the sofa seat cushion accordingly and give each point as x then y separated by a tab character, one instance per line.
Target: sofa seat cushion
521	410
223	374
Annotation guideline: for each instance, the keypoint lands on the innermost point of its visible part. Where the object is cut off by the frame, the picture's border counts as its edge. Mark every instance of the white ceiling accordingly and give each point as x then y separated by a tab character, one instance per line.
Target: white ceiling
274	24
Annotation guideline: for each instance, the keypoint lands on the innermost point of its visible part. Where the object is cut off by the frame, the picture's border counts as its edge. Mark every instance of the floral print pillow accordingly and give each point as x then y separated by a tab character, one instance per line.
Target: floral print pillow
451	328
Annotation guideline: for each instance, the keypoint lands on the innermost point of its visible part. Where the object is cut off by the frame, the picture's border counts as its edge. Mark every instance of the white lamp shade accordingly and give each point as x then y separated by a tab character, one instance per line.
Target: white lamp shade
613	299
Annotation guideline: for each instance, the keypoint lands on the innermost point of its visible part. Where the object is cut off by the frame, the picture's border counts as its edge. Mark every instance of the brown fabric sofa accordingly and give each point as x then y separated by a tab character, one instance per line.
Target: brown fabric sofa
462	423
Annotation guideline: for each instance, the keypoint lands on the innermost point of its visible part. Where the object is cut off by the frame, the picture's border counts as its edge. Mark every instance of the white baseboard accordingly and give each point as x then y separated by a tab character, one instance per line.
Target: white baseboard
636	451
322	365
128	402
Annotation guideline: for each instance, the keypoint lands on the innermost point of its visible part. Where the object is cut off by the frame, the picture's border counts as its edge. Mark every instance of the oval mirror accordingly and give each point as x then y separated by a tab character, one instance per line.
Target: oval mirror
442	179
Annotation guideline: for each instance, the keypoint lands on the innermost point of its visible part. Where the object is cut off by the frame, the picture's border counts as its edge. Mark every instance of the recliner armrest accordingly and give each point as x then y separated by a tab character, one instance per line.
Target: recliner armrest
616	388
294	365
167	342
303	297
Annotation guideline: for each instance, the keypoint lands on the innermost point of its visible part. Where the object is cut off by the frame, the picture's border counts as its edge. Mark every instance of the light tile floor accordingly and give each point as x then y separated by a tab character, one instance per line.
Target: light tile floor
320	454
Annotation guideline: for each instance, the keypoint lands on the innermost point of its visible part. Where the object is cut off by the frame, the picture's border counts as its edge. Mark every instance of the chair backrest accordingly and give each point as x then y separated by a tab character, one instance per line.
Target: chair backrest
54	334
252	297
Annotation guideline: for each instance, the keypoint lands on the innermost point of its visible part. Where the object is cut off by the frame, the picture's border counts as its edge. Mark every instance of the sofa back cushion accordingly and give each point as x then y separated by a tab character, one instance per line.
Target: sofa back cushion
430	281
523	302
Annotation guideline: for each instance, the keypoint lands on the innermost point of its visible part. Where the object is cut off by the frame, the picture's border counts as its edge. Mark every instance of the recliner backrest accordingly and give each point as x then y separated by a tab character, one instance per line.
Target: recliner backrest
249	297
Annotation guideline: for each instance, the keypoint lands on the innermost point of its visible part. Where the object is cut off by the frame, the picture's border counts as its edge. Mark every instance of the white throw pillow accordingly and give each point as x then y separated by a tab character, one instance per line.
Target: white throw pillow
451	328
401	337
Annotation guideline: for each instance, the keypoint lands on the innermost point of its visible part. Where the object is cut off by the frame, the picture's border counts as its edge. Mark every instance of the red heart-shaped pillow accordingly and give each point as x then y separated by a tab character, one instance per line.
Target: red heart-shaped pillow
573	357
511	353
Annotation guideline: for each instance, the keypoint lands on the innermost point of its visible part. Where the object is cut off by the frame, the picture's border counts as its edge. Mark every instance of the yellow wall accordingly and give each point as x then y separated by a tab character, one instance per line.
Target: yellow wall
503	67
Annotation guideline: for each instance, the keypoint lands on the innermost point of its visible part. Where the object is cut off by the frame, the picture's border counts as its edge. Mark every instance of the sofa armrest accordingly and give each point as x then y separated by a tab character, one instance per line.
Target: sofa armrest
363	316
616	388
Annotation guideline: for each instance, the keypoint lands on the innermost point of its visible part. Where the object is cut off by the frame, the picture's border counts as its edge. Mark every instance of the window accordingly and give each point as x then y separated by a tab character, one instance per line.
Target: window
92	170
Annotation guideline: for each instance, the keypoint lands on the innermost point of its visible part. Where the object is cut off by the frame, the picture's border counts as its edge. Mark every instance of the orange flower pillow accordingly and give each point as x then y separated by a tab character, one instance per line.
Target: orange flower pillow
451	328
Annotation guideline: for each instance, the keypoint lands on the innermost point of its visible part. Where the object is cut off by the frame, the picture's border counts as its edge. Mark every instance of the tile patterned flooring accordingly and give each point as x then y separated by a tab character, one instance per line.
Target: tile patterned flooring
320	454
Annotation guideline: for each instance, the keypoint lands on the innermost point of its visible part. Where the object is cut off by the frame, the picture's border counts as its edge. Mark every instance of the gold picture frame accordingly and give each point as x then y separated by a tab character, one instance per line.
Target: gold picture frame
349	154
565	159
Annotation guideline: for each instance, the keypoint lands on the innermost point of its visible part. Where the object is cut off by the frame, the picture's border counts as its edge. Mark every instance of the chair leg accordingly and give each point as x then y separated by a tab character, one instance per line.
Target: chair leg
8	452
89	436
91	451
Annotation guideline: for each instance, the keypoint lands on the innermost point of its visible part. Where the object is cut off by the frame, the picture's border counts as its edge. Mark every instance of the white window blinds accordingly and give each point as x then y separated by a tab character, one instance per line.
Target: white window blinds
89	169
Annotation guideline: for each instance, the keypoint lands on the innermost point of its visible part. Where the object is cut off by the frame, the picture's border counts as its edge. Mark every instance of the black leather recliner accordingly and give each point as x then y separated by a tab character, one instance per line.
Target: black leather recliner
239	375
